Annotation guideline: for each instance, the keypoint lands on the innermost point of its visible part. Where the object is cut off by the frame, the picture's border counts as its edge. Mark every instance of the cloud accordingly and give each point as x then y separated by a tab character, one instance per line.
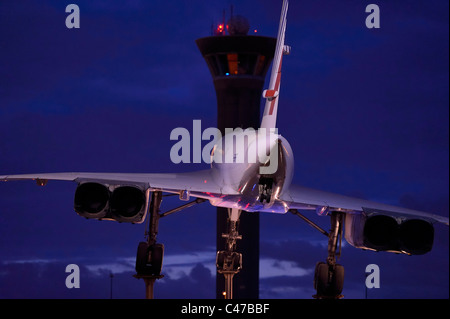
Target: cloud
26	279
275	268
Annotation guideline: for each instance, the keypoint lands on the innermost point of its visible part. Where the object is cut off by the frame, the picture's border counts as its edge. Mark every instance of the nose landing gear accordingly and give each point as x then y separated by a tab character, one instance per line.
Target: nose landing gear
229	262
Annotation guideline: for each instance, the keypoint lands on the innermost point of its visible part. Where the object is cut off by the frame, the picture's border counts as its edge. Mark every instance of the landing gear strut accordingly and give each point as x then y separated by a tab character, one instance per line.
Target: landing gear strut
329	275
229	262
149	257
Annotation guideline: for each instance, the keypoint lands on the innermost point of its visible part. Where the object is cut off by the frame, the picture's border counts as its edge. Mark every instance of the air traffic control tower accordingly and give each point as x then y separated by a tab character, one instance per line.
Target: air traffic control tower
238	63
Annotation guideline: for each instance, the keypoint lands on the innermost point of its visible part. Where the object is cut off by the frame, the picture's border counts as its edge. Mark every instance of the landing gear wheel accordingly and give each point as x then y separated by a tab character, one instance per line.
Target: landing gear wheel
220	259
321	277
237	261
328	280
228	261
338	280
142	258
157	255
149	259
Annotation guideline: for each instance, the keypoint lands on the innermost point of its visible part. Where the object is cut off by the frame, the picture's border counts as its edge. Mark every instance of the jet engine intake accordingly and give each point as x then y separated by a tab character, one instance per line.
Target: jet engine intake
111	202
416	236
91	200
127	202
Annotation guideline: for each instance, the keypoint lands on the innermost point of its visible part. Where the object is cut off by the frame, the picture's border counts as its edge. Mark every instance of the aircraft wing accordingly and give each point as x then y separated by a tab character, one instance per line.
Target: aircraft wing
299	197
199	183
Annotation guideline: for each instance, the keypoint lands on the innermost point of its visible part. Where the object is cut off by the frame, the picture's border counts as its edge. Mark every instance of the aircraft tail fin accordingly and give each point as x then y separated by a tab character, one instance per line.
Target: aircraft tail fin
272	93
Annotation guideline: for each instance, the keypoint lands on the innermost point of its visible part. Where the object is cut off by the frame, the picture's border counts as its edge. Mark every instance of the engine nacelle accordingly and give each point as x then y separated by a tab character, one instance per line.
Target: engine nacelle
111	202
377	232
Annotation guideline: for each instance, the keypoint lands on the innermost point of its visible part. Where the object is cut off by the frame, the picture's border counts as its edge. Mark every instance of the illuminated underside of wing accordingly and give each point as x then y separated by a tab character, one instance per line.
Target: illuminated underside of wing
125	197
299	197
370	225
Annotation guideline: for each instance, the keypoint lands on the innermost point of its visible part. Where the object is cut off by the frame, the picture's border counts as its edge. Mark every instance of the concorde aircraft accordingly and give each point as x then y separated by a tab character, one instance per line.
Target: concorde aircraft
261	183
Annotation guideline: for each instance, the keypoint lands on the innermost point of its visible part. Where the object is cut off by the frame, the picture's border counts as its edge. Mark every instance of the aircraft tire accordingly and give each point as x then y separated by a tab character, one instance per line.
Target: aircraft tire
142	258
156	259
321	278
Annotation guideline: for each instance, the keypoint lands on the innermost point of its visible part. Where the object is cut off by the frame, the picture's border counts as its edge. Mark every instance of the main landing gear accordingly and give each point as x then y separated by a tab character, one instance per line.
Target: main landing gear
329	275
149	257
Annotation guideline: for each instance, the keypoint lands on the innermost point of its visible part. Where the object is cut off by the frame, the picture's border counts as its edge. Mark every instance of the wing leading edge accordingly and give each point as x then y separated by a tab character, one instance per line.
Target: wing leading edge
198	184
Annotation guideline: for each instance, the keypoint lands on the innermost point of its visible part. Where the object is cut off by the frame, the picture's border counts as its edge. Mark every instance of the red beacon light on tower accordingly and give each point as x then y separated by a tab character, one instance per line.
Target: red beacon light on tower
236	25
220	29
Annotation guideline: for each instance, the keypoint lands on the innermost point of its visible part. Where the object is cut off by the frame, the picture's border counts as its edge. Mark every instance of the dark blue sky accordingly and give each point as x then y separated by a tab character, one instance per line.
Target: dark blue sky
365	111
